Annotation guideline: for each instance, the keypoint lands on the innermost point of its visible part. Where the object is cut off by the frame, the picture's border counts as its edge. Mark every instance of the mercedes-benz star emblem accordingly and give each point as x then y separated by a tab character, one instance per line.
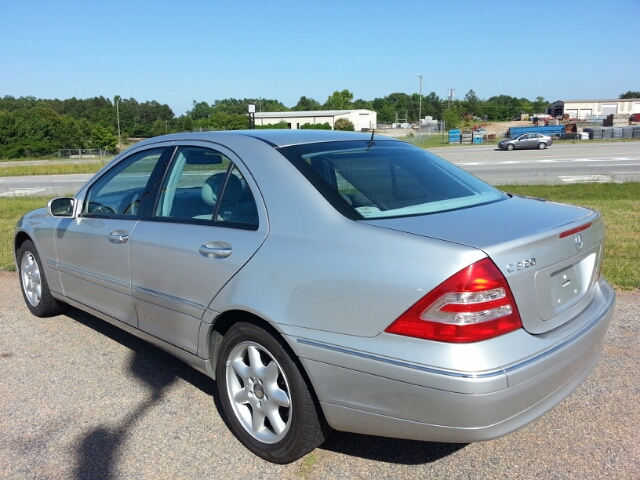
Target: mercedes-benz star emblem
579	242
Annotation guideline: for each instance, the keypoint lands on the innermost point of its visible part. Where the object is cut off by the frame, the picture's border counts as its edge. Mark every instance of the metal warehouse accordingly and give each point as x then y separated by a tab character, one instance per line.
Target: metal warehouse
581	109
361	119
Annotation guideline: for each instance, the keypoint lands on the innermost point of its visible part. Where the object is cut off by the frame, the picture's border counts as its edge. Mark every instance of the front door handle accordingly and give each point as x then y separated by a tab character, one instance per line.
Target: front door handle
119	236
215	250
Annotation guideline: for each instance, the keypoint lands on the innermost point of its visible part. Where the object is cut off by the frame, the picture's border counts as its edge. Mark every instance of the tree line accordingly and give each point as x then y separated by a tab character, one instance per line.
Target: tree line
32	127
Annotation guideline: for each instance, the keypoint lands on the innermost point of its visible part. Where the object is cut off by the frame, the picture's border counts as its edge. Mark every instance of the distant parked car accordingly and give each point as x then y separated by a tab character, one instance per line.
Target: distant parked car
527	140
331	280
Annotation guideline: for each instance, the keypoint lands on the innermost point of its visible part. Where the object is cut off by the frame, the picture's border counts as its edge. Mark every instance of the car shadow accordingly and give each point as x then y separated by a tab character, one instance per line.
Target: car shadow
99	449
390	450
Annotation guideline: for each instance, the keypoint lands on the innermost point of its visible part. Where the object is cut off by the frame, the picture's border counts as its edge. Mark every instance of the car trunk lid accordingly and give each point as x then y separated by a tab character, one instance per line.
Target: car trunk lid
550	253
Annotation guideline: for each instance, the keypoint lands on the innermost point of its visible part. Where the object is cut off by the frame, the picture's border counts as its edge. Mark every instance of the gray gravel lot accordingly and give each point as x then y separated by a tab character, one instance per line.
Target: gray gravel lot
82	399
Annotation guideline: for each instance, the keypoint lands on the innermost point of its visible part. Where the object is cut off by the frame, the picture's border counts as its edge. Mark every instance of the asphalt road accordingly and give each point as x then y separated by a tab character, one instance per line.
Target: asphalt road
81	399
44	185
559	164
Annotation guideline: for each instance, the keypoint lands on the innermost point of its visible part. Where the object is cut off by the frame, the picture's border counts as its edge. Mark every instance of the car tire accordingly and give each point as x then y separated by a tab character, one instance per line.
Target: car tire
542	146
267	401
510	147
33	283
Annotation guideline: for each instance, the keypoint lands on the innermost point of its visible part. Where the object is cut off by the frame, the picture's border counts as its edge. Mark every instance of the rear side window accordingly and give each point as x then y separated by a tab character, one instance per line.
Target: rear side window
204	186
386	179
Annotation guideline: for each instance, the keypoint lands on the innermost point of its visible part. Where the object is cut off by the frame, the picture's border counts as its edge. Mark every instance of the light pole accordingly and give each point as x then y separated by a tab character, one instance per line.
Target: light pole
118	116
420	102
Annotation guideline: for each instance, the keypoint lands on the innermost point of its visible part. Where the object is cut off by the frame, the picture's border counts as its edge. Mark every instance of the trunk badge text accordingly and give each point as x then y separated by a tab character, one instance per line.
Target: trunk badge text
529	262
579	242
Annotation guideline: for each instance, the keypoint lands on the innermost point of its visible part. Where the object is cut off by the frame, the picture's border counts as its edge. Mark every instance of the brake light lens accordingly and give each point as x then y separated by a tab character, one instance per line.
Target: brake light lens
573	231
474	304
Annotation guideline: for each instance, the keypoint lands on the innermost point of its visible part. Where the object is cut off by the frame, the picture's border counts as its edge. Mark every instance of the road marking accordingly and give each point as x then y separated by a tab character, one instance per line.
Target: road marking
586	178
22	192
551	160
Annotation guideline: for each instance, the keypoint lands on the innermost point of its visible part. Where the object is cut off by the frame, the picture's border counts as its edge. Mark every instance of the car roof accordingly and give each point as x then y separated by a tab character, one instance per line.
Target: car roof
275	137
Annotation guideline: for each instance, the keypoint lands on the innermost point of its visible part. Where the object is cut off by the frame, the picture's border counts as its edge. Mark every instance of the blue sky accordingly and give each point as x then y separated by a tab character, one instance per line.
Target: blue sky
176	52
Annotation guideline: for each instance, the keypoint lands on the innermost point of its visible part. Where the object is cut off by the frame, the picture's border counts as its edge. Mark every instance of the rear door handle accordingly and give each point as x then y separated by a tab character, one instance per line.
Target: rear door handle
119	236
215	250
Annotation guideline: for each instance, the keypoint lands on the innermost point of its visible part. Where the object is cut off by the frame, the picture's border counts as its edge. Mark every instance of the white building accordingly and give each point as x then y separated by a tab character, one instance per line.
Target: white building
361	119
581	109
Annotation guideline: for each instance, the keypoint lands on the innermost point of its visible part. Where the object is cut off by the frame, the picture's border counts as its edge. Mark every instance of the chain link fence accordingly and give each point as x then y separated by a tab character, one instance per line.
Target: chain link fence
84	153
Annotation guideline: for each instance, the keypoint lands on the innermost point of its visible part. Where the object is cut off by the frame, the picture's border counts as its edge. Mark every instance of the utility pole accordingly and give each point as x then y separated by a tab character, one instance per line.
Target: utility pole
451	90
420	103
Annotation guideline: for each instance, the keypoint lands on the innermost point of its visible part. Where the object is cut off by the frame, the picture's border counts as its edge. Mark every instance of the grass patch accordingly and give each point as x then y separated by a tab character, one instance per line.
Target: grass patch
50	169
11	209
619	204
307	464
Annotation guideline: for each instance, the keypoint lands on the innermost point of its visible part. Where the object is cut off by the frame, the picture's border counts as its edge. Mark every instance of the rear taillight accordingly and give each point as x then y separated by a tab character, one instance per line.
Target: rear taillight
474	304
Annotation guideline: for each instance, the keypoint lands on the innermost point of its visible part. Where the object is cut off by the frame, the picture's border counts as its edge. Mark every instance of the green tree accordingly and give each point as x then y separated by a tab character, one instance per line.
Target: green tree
103	138
307	105
187	124
630	94
339	100
158	128
384	109
451	118
200	110
432	106
472	103
225	121
344	124
267	105
540	105
362	104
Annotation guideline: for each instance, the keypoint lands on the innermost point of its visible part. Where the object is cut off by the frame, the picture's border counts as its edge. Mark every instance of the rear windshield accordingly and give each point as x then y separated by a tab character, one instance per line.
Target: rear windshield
387	179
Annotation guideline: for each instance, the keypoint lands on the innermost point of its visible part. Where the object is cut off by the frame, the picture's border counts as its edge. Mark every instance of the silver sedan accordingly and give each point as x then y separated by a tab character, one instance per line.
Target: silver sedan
527	140
331	280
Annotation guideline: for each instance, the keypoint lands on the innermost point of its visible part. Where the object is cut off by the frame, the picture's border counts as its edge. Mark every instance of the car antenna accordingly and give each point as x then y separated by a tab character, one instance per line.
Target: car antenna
373	130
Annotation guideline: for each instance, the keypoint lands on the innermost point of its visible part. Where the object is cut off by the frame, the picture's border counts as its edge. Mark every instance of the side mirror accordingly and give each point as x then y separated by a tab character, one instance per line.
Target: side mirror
61	207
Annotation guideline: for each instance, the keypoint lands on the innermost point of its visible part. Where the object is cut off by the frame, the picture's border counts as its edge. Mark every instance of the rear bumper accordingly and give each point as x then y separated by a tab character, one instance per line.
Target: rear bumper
359	400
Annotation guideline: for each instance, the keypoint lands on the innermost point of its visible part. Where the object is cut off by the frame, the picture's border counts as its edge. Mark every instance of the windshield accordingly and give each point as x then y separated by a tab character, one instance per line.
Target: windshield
387	179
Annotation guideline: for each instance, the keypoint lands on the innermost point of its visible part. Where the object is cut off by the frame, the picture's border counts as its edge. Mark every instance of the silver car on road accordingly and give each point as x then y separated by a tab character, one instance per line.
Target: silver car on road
331	280
527	140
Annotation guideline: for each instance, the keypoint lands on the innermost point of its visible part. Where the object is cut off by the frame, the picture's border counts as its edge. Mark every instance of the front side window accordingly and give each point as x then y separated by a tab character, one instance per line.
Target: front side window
386	179
204	186
122	189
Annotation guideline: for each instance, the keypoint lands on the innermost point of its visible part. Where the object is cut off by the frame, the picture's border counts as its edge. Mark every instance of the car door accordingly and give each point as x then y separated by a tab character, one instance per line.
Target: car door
207	222
93	246
522	141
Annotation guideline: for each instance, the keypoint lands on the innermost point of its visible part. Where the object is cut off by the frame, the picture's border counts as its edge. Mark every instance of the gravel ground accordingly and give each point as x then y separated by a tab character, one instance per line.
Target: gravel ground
82	399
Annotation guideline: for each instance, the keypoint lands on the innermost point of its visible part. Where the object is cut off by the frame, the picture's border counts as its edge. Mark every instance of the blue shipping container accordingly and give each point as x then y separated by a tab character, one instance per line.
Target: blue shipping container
551	130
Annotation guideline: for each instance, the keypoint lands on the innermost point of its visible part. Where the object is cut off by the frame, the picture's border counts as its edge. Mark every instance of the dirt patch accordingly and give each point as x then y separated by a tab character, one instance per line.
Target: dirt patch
504	126
498	128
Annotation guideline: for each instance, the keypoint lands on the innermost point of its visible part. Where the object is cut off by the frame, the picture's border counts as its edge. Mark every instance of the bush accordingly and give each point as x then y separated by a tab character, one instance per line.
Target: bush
344	124
316	126
27	148
281	125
